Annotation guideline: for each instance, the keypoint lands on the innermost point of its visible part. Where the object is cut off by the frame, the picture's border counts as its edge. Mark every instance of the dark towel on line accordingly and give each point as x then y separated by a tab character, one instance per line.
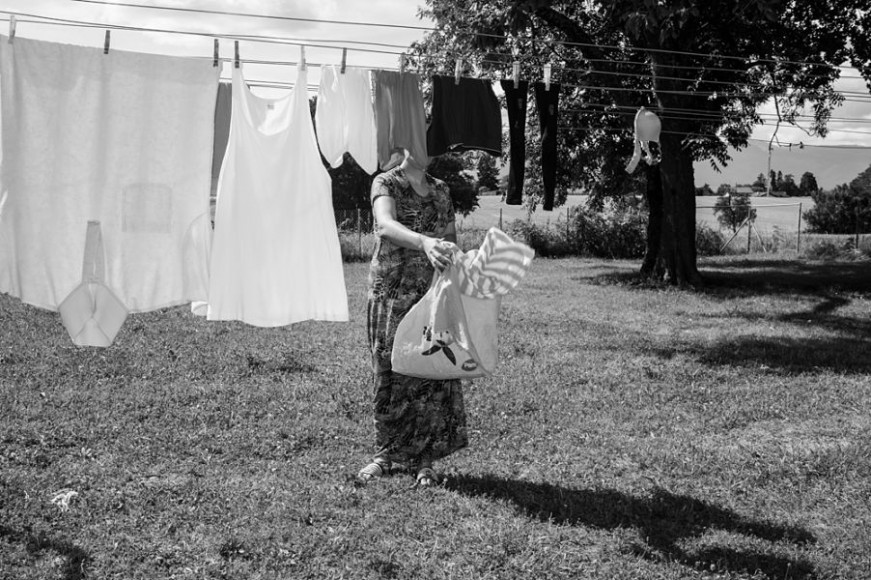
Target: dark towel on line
465	116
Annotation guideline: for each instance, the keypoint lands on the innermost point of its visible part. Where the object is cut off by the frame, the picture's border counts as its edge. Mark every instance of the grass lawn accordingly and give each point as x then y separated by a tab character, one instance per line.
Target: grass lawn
631	432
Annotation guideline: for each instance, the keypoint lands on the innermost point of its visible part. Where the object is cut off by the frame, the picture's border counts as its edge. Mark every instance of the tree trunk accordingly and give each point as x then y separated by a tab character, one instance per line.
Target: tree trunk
678	243
649	268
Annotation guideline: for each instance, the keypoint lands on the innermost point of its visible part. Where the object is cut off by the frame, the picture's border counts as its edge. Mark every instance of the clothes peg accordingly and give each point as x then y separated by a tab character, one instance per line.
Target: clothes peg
547	70
12	24
302	57
236	57
458	69
217	56
515	73
402	63
344	59
106	42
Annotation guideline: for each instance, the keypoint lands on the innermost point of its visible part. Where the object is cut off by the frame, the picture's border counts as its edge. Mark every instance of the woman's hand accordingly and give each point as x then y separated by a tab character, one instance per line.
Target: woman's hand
437	251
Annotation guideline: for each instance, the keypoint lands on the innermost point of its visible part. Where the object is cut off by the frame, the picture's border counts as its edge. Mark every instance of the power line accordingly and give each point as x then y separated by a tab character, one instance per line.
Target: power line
250	15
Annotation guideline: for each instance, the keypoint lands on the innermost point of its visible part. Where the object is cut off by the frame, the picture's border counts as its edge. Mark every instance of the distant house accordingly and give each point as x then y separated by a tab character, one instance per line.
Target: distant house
779	193
744	190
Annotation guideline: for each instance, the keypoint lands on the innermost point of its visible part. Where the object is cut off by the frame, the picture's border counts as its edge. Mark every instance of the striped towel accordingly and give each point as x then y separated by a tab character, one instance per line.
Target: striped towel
495	268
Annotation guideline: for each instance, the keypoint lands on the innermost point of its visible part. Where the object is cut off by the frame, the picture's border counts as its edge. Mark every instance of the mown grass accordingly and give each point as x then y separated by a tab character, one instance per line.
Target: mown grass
630	432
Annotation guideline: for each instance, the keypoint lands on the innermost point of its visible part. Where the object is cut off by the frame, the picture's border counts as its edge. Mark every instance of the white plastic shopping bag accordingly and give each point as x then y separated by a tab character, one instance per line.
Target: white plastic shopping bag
447	334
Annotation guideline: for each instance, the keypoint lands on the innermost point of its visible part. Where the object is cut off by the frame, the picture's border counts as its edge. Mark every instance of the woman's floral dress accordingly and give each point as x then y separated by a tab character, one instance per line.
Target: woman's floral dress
416	420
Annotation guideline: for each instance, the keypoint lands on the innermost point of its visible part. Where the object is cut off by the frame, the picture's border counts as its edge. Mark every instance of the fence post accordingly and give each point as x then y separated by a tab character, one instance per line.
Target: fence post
359	233
798	240
500	219
749	233
568	220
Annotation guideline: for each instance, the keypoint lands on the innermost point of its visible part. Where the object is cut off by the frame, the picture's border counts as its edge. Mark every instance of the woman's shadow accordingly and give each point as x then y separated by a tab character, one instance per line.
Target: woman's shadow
663	519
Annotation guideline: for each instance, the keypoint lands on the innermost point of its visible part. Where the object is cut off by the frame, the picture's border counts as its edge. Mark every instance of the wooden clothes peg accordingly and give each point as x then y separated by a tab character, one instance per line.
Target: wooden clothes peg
12	24
236	51
344	59
547	71
402	61
458	70
217	58
515	74
106	42
302	57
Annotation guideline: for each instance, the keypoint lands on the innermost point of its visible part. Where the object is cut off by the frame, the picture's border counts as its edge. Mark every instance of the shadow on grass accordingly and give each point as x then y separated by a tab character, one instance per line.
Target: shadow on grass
787	355
75	558
662	520
744	276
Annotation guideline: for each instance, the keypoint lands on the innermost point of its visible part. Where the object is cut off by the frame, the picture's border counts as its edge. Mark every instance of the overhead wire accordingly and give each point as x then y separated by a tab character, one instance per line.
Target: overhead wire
432	29
319	44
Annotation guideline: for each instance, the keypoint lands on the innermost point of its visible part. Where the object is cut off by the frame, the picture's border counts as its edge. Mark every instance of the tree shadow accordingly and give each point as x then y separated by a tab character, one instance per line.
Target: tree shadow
662	520
754	277
790	356
742	276
75	558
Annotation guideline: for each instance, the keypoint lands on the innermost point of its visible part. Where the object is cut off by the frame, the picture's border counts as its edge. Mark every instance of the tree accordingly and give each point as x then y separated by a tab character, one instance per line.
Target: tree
789	185
452	168
704	190
732	210
725	190
808	184
759	184
714	63
488	175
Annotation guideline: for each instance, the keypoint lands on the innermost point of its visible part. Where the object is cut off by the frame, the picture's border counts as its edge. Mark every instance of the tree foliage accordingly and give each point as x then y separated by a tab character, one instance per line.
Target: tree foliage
452	168
844	210
704	67
733	209
808	184
488	175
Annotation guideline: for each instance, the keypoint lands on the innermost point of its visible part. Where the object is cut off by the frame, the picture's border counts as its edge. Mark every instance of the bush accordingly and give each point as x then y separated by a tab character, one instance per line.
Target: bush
547	241
843	210
708	240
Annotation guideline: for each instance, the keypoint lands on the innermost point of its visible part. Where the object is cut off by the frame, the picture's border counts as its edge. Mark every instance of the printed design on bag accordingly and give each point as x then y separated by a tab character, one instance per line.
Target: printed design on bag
442	341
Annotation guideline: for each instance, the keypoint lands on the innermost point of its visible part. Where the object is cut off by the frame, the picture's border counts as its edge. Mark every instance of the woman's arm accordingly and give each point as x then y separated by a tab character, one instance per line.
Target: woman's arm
384	212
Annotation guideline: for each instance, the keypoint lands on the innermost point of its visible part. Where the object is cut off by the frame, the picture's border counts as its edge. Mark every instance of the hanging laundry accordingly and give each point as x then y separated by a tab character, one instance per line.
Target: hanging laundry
399	118
547	101
515	100
223	109
345	119
465	116
647	129
119	139
275	257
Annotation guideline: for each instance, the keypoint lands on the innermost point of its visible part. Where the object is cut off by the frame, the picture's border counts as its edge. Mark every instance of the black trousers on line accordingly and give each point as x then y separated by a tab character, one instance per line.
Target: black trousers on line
548	110
547	103
515	100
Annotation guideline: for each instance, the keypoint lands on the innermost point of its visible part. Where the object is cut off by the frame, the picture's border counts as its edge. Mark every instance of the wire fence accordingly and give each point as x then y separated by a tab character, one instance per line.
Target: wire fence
771	227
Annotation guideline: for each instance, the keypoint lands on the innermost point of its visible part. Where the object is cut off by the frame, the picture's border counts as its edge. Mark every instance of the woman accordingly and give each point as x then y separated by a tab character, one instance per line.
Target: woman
417	421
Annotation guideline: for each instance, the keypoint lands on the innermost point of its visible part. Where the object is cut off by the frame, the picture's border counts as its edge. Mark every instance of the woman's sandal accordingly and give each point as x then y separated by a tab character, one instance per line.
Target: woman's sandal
378	468
427	477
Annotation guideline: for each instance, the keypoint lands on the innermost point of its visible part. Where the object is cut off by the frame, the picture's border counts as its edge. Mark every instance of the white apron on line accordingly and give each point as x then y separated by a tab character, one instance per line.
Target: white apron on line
117	145
275	253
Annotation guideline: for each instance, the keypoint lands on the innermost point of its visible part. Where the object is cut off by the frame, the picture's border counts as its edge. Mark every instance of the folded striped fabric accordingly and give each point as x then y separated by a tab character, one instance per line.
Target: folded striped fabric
495	268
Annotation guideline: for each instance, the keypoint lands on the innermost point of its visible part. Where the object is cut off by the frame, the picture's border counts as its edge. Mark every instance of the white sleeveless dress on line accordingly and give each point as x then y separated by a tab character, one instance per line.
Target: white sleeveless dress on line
275	254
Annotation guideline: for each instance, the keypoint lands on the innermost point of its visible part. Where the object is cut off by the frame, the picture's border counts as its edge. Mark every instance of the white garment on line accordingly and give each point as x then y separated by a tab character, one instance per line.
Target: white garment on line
345	118
275	254
123	139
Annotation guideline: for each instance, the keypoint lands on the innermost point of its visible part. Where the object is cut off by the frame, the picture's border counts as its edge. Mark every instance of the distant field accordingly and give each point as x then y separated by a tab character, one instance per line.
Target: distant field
783	216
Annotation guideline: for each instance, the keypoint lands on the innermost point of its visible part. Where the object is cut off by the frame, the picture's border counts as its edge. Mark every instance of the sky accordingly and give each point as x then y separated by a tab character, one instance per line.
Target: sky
851	124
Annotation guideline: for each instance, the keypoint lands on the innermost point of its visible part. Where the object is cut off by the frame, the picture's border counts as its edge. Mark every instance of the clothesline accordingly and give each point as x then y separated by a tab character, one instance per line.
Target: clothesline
431	29
337	44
